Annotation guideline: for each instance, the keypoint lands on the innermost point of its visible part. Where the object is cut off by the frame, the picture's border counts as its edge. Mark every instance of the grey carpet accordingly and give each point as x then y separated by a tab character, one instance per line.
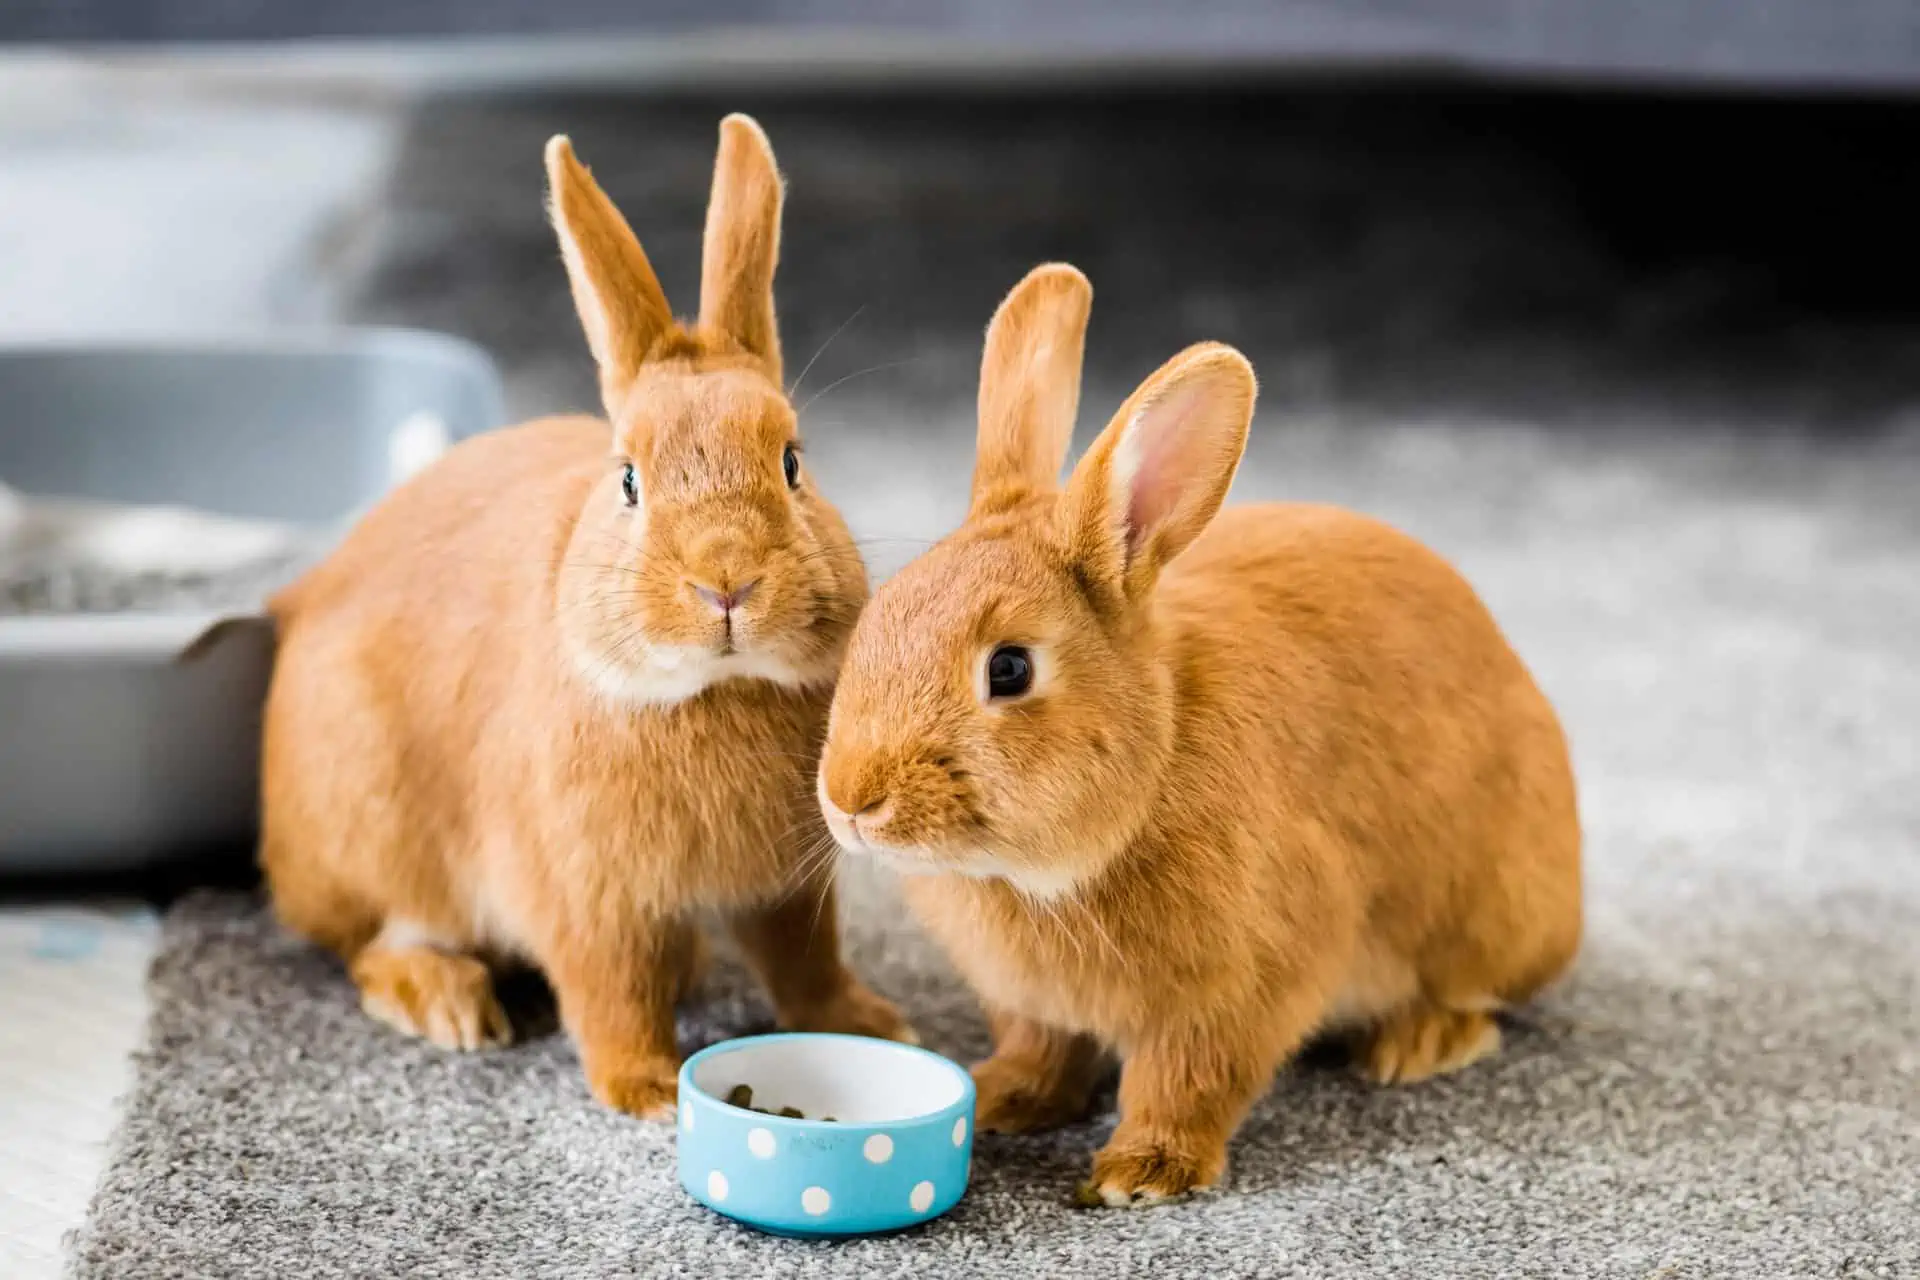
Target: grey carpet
1677	449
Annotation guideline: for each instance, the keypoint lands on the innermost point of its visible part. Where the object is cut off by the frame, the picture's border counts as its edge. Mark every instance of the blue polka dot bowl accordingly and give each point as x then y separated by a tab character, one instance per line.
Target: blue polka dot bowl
894	1155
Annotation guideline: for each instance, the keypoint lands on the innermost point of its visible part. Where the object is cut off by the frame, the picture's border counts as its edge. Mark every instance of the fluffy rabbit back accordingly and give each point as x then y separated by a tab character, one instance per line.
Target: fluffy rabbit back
1402	720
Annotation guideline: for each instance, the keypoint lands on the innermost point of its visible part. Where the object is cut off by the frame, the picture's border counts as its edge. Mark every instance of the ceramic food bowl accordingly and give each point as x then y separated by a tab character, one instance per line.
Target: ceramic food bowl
895	1152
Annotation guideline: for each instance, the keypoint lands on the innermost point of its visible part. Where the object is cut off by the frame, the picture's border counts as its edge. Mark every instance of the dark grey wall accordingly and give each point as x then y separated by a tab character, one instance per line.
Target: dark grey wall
1867	43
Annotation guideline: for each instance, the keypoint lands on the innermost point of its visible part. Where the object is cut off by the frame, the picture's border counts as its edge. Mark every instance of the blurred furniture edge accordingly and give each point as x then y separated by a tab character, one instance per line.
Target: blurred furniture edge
1857	45
131	740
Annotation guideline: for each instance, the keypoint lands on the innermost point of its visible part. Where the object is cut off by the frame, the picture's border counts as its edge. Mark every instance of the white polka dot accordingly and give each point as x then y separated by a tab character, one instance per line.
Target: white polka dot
686	1115
816	1201
879	1148
959	1131
922	1197
716	1185
760	1142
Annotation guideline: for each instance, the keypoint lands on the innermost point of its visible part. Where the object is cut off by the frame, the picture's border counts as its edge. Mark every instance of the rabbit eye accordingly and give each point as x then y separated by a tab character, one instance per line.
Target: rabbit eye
790	463
1009	672
630	485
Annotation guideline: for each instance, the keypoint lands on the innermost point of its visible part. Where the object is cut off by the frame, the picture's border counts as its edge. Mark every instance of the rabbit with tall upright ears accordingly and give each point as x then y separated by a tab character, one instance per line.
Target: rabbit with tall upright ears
565	689
1188	789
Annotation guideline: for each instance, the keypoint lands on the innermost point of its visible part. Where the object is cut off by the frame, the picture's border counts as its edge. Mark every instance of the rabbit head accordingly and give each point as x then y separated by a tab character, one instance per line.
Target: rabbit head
1005	709
704	552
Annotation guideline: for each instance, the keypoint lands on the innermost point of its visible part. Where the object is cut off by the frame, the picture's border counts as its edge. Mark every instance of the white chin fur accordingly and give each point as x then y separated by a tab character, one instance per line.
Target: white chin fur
1030	881
674	673
1040	885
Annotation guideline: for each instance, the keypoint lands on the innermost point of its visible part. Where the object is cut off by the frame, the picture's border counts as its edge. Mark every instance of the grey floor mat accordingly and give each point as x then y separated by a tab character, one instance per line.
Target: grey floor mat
1680	463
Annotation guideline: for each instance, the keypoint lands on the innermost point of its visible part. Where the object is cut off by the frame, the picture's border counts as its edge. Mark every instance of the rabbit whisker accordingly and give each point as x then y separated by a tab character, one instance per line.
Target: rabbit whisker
818	865
858	373
1052	912
1100	932
795	388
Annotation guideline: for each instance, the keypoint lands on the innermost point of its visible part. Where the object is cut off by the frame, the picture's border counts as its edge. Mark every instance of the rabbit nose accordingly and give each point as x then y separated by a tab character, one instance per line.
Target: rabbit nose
869	803
723	599
862	815
874	811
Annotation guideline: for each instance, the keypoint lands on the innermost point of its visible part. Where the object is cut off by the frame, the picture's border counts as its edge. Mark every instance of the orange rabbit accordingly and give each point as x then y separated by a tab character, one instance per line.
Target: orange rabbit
1194	790
566	687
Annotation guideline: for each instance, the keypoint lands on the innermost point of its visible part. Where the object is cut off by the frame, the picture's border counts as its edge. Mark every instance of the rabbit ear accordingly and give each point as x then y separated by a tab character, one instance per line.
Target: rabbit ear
614	289
1157	475
1030	386
742	246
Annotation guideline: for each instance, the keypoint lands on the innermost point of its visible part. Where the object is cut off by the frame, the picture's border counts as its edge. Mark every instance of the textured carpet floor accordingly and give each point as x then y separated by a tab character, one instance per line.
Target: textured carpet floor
1686	480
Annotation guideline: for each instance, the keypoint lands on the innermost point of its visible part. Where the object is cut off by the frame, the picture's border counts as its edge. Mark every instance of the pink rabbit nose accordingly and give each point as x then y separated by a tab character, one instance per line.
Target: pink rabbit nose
725	601
863	816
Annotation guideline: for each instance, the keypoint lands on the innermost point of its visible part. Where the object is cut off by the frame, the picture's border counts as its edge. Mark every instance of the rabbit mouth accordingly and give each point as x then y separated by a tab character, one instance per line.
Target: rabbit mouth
917	860
847	833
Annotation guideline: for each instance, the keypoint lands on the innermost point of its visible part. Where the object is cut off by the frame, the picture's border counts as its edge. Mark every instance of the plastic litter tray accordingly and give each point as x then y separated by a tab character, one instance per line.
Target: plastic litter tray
130	739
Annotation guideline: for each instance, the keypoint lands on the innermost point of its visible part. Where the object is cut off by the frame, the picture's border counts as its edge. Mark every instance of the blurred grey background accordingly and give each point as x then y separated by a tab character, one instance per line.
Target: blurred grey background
1381	246
1858	42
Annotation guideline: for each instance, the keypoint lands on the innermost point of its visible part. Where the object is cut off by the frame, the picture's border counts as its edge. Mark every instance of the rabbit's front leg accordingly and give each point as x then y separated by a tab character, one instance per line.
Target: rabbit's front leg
1183	1091
616	978
793	945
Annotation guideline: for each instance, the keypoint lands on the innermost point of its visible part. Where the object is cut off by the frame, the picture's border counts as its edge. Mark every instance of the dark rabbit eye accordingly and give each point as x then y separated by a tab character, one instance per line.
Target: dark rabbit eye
630	485
1009	672
790	463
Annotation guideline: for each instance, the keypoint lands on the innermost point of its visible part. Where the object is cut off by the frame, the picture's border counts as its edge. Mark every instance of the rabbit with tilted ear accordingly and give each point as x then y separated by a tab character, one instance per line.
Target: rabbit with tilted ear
1189	789
565	688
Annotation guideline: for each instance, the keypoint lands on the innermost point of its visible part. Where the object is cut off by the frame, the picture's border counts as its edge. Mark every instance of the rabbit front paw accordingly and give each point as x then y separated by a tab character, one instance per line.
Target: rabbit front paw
645	1087
1130	1172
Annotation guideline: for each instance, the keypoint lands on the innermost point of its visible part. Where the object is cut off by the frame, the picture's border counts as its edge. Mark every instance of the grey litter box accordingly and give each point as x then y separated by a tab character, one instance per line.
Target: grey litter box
128	739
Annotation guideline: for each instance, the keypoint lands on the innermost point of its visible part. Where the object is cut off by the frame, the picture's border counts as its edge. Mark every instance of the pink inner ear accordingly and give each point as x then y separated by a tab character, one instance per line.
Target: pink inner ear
1171	454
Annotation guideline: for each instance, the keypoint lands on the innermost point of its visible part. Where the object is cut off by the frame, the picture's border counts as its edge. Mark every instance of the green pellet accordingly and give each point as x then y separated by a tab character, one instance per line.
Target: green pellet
741	1095
793	1113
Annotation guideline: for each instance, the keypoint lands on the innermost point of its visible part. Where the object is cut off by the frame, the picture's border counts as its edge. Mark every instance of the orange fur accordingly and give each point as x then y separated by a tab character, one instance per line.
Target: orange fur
505	723
1279	772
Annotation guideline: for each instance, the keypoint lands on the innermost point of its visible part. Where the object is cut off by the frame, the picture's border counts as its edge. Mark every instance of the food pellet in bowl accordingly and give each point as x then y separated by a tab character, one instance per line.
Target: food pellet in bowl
741	1095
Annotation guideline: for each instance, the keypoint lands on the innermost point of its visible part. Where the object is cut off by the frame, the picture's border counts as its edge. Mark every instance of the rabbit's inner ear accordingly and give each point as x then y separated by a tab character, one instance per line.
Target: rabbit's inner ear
1157	475
621	306
742	246
1030	386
